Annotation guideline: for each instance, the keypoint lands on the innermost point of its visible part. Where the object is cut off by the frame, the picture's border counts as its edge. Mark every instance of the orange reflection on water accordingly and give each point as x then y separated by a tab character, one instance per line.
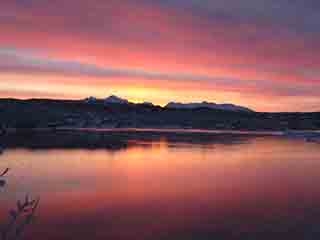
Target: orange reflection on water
163	187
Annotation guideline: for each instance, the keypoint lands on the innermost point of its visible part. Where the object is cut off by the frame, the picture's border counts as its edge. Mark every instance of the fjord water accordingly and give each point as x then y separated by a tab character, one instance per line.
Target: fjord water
234	187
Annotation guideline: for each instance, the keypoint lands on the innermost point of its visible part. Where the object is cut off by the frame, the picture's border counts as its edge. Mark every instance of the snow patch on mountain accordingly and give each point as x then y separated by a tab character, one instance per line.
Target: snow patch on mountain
229	107
115	99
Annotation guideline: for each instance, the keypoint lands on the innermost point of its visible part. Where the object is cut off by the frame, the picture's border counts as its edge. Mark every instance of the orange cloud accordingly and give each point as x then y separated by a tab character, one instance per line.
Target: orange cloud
153	38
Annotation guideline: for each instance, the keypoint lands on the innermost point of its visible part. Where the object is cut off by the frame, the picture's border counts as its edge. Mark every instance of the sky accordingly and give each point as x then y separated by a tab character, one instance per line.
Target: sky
263	54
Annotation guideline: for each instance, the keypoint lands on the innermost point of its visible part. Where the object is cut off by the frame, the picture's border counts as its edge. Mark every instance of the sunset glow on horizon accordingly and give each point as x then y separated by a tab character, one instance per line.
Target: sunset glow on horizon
262	54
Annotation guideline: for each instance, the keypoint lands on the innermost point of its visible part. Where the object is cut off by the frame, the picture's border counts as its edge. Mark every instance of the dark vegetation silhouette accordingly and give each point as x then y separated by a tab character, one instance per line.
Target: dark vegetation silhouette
28	115
2	181
19	217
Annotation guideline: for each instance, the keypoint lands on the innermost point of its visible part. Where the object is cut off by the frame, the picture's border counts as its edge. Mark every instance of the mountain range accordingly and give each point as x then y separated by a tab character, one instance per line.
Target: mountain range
172	105
116	112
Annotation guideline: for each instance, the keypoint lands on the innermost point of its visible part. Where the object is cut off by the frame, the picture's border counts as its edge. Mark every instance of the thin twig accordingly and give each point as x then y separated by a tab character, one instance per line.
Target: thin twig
4	172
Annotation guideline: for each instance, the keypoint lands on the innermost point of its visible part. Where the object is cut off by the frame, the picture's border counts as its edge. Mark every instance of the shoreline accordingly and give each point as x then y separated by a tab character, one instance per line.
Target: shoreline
121	138
162	130
148	130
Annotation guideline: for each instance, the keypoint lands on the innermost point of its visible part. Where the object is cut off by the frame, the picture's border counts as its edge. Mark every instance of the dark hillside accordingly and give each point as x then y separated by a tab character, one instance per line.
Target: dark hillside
42	113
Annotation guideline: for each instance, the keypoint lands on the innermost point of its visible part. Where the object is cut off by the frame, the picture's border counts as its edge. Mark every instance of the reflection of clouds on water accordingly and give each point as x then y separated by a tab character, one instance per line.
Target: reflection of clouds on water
187	186
117	141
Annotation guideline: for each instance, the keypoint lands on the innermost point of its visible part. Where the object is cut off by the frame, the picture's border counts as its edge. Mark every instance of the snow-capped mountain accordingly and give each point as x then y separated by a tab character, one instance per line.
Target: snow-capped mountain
90	100
171	105
111	99
115	99
230	107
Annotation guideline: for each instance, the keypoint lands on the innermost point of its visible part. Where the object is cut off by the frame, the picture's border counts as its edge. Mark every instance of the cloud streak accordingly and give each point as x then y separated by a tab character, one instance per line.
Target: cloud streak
27	62
247	47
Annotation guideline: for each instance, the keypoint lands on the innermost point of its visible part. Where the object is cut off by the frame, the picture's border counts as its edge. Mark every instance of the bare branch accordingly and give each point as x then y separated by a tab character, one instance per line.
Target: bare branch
4	172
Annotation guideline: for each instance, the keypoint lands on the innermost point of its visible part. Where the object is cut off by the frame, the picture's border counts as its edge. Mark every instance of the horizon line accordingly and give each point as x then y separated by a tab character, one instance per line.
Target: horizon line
141	102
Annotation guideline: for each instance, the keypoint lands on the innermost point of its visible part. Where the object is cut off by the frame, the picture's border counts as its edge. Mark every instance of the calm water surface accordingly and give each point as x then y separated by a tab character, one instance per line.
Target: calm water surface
252	187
